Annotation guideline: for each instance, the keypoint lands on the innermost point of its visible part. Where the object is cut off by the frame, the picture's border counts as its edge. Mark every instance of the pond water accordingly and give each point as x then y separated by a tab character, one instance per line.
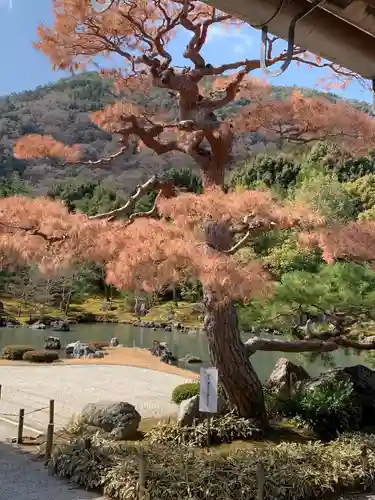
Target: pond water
180	344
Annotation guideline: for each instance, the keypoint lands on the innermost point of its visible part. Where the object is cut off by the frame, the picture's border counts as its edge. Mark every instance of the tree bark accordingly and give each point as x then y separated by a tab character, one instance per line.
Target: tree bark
242	387
213	174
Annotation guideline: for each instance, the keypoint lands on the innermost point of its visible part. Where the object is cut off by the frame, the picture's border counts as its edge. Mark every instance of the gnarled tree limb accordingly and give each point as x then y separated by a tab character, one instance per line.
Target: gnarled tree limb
153	184
239	244
35	231
254	227
280	345
107	159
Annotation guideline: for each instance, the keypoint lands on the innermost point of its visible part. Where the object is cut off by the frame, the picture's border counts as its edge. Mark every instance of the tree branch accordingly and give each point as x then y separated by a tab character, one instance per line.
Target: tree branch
279	345
254	227
105	160
151	213
200	30
35	231
230	93
152	184
238	245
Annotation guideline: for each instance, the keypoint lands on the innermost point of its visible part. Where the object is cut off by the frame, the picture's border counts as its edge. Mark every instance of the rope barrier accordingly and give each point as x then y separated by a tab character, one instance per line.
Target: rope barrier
26	413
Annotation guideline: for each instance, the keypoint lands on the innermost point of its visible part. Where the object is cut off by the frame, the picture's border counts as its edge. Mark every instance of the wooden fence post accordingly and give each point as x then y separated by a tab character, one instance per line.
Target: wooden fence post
260	481
364	458
50	429
21	419
142	476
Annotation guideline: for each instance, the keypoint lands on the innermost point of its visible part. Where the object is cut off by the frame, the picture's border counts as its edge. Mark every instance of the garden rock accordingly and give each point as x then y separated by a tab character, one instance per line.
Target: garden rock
190	360
120	419
189	411
60	326
38	326
363	380
286	377
361	377
53	343
114	342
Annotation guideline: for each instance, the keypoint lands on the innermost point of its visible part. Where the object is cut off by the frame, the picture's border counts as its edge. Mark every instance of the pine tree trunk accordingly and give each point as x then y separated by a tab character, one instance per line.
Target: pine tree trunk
242	387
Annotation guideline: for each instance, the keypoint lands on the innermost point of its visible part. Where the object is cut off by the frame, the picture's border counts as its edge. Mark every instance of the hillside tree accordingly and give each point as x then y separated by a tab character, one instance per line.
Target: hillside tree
184	235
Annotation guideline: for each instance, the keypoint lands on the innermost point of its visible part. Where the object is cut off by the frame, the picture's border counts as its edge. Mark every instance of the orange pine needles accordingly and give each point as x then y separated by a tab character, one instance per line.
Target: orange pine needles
354	241
148	253
303	120
42	146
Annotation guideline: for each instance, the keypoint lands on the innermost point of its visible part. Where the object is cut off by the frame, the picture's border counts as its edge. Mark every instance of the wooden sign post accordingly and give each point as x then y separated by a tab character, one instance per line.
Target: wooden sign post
208	395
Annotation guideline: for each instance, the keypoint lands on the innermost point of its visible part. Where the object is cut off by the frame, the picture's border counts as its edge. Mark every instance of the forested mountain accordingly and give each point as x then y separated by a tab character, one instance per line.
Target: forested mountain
63	111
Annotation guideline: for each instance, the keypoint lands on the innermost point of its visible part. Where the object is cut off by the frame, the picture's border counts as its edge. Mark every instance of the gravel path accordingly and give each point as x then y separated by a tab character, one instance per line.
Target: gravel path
31	387
73	386
24	478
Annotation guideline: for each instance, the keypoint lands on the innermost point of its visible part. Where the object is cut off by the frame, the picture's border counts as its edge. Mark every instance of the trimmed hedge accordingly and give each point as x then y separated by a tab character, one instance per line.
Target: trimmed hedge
185	391
15	352
293	471
42	356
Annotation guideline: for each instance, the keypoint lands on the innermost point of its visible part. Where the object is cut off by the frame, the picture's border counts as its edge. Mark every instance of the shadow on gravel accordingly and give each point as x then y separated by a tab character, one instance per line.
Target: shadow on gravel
22	477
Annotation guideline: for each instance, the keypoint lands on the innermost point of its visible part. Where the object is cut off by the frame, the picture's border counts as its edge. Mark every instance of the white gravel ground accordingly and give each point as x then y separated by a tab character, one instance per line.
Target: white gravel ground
22	478
73	386
31	387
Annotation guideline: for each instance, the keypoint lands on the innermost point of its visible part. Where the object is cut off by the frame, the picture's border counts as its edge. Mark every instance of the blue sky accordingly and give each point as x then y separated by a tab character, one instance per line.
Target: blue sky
24	68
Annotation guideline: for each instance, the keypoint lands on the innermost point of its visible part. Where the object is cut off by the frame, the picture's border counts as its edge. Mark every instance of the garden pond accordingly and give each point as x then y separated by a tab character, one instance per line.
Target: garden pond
180	343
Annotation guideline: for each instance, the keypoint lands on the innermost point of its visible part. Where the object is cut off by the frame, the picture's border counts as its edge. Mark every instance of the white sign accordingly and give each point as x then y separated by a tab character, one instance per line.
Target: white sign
208	390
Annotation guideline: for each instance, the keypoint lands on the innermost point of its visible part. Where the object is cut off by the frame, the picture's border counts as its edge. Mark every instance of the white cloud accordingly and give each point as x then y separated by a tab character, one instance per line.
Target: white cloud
239	40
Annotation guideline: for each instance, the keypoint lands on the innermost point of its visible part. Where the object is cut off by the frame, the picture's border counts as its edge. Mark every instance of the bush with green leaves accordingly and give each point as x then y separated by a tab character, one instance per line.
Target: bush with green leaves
293	471
329	409
15	352
41	356
281	170
185	391
221	429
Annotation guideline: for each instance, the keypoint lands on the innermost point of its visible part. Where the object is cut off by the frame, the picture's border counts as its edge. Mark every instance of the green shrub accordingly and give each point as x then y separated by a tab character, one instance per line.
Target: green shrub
40	356
222	429
15	352
329	409
185	391
293	471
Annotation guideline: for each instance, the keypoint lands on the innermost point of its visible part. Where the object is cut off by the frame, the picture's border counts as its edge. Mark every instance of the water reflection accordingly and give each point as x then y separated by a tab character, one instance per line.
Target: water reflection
179	343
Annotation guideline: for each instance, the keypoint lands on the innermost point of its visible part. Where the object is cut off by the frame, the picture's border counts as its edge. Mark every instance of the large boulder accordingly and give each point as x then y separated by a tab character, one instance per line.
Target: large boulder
189	410
285	378
363	380
121	419
361	377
